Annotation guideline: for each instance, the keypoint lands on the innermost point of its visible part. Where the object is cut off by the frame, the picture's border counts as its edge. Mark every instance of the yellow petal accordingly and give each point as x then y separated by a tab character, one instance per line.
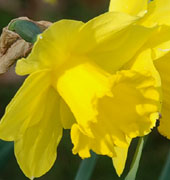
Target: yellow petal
101	28
163	67
143	62
159	42
104	38
52	47
104	146
36	149
83	144
158	12
119	160
66	115
131	7
24	107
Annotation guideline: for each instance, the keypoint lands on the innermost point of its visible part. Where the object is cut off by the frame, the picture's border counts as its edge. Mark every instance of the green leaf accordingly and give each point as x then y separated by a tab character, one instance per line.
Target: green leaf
86	168
165	175
136	159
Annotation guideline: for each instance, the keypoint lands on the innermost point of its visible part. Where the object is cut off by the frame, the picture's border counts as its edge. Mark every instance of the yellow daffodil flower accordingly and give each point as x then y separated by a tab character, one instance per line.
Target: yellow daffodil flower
74	83
156	51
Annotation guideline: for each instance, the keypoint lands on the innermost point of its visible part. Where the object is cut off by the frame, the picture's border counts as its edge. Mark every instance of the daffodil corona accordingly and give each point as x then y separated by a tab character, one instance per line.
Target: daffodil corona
80	78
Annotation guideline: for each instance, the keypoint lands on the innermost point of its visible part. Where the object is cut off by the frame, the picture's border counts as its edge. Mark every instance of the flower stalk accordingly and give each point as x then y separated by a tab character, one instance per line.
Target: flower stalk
86	167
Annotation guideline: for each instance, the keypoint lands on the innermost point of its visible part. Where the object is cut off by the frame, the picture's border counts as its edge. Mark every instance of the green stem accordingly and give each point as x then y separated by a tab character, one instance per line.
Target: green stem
166	169
86	167
136	159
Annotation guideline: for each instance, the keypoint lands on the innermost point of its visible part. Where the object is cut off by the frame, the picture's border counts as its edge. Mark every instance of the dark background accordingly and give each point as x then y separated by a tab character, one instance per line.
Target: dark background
156	148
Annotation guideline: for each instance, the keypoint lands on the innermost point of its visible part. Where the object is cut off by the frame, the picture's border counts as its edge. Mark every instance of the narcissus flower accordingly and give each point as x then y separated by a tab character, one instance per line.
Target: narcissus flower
156	50
74	83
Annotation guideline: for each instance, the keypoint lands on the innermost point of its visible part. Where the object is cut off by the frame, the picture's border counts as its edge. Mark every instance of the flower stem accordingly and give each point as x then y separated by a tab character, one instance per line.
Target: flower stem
165	172
136	159
86	167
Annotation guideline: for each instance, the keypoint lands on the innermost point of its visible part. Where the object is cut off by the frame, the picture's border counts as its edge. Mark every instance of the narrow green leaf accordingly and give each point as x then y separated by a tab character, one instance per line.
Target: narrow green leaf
136	159
165	174
86	168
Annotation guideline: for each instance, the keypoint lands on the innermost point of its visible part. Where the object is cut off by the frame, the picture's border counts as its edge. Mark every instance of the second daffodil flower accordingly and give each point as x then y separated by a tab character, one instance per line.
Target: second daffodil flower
74	83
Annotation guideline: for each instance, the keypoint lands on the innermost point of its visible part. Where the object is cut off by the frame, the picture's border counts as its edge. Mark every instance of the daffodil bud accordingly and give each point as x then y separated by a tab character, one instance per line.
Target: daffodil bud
26	29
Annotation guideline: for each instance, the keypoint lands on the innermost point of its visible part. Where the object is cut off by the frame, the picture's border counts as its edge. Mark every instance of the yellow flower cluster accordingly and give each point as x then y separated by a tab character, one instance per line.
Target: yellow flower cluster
107	80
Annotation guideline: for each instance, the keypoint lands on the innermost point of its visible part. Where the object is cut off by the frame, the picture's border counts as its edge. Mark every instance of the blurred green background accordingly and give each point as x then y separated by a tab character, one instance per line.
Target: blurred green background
156	148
